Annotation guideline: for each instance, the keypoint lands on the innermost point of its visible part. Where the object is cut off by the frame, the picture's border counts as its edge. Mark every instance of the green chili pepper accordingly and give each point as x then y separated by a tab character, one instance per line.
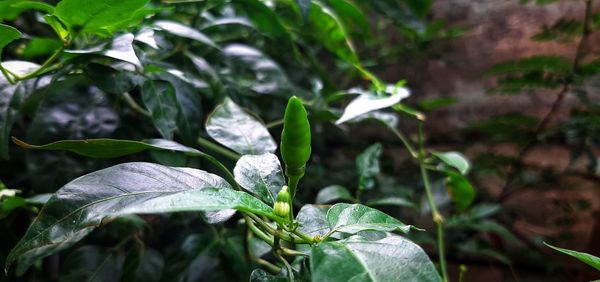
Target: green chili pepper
295	139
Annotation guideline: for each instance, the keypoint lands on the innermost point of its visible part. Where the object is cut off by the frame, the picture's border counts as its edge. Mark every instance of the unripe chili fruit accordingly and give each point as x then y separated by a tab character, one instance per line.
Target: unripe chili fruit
282	204
295	138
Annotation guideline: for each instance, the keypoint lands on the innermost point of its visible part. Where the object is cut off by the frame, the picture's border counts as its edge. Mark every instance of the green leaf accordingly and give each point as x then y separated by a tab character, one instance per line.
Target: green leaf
327	28
122	49
313	220
57	26
231	126
34	5
189	103
261	175
455	160
391	201
333	193
367	165
586	258
96	16
185	32
265	19
368	101
352	15
389	120
8	34
460	190
83	204
392	258
354	218
111	148
12	97
40	47
160	99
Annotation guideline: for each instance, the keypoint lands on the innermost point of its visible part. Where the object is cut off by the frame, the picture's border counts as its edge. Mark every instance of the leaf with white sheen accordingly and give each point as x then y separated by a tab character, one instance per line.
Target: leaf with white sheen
122	49
391	258
185	31
86	202
235	129
261	175
313	220
367	166
455	160
353	218
369	101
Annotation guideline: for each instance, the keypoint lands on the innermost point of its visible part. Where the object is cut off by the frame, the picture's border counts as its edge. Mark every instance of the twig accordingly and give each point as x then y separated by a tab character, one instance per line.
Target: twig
512	171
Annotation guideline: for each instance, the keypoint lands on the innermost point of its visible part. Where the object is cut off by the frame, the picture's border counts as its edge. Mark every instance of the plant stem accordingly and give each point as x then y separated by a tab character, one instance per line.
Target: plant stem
406	142
292	185
258	232
214	147
135	106
274	123
438	219
44	65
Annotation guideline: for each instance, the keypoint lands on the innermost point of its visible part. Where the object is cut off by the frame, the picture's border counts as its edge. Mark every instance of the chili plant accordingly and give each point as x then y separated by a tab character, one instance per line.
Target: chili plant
337	243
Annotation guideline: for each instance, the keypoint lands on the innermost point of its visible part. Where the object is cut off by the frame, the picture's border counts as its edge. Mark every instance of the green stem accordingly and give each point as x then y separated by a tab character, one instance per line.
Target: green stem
258	232
44	65
288	267
406	142
228	175
214	147
6	74
437	217
274	123
135	106
291	252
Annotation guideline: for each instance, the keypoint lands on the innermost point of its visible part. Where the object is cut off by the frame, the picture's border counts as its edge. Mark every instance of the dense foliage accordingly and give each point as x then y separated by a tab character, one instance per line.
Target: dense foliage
187	140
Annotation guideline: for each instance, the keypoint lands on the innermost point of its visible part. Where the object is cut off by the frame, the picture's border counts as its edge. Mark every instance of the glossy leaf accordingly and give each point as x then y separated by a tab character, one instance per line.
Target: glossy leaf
57	26
367	165
7	35
185	31
122	49
313	220
460	190
12	97
391	201
96	16
333	193
231	126
83	204
265	19
392	258
160	100
455	160
586	258
325	26
261	175
369	101
111	148
353	218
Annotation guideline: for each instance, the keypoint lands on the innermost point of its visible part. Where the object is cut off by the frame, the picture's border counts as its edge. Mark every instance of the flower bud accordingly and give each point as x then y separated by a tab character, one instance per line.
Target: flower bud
282	204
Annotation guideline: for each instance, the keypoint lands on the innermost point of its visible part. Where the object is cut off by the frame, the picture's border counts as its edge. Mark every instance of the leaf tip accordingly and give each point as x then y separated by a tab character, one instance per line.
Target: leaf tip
20	143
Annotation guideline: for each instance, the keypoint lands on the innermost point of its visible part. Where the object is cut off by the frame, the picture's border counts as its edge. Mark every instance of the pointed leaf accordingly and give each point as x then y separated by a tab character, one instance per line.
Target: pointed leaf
261	175
111	148
392	258
122	49
185	31
333	193
369	101
160	99
588	259
460	189
83	204
325	26
455	160
349	218
96	16
367	165
231	126
7	35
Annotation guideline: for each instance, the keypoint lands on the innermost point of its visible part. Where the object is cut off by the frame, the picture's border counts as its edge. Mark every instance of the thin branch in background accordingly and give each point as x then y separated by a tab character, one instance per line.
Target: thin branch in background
579	55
